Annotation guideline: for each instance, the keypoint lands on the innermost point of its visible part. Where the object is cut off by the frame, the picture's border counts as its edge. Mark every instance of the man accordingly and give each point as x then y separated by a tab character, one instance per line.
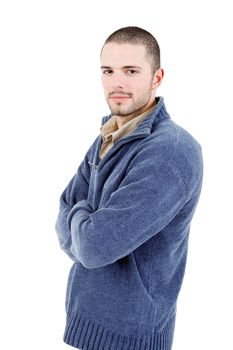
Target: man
125	215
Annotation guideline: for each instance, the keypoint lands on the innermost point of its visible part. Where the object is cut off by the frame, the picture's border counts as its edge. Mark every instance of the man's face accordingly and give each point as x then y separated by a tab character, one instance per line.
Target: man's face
127	78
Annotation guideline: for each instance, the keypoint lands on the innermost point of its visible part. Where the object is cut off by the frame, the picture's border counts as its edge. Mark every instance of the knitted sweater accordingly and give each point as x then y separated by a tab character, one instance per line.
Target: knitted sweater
125	220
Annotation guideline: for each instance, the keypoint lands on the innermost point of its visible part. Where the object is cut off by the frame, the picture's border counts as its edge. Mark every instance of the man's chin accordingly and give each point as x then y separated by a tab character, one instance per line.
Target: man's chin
120	112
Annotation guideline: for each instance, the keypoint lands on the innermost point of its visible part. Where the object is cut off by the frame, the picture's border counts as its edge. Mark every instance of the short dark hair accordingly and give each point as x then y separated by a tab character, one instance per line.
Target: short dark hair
138	36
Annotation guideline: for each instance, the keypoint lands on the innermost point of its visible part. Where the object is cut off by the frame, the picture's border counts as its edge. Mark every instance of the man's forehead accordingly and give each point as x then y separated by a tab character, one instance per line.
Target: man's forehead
123	55
123	48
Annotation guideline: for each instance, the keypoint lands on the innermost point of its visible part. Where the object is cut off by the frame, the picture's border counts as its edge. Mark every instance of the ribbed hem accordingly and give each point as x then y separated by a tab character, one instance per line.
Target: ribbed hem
84	334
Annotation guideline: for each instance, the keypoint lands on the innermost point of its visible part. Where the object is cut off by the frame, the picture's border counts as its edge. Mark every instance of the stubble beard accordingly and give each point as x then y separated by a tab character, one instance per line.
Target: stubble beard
122	111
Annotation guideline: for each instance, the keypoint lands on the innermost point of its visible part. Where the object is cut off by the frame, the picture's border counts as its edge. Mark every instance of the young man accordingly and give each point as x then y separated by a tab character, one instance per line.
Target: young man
125	215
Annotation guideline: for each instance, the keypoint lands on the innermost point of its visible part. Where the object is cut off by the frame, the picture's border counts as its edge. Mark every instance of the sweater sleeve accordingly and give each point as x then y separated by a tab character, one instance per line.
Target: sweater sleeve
76	190
147	199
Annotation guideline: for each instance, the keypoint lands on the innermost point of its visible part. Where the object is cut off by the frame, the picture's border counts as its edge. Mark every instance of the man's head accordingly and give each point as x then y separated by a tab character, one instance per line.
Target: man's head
130	63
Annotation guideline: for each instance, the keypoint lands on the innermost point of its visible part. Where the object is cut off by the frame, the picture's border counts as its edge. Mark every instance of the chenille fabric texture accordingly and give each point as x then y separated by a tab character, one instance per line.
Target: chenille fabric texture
125	220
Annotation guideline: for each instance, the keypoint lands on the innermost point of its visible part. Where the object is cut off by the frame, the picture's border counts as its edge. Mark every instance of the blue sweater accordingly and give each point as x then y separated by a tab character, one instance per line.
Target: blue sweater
125	221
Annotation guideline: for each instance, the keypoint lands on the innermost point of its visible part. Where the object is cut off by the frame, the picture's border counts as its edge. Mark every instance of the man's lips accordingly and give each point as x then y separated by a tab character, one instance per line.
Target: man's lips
119	97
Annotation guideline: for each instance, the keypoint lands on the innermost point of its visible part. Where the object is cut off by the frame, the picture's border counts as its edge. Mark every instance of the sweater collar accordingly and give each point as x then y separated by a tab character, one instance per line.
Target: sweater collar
157	114
111	131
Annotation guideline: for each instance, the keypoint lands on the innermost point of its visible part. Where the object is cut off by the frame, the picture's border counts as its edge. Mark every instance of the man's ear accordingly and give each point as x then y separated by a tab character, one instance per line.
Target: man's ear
158	77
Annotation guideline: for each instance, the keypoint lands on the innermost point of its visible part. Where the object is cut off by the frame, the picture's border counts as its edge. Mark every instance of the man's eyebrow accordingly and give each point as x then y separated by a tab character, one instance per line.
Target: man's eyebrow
138	67
124	67
105	67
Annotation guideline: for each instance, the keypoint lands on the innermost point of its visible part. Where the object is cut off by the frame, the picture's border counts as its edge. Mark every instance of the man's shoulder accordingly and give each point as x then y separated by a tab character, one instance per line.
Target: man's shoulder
182	152
171	145
171	135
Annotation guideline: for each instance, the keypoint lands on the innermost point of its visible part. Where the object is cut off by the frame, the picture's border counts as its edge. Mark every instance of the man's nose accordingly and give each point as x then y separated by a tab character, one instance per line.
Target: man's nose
118	80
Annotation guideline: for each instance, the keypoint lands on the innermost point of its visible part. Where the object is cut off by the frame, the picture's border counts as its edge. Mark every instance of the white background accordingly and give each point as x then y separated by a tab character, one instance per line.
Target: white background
51	105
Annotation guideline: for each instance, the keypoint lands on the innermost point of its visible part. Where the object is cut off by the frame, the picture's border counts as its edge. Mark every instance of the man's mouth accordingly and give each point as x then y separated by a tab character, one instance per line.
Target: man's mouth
119	97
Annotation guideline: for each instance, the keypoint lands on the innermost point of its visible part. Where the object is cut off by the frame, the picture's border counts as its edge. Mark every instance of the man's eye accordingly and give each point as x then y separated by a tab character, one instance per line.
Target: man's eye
131	71
107	71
